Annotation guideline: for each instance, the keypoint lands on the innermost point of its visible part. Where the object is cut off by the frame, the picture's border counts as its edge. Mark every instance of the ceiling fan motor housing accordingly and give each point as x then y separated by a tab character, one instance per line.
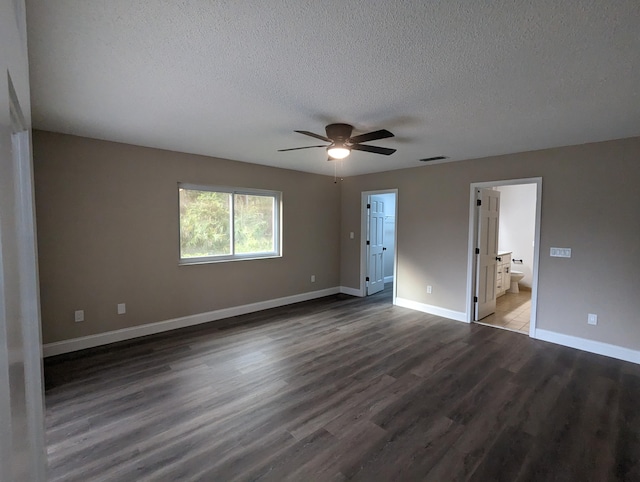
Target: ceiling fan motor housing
339	133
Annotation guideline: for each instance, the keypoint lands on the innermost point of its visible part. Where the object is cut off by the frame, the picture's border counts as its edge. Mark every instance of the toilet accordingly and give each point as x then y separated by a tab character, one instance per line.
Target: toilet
515	277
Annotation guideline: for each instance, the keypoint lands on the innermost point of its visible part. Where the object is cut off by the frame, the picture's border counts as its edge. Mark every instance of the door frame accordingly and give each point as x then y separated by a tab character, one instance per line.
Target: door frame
473	236
363	241
21	349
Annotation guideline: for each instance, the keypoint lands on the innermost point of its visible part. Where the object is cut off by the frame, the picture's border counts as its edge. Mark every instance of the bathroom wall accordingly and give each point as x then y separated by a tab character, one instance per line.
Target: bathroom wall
517	226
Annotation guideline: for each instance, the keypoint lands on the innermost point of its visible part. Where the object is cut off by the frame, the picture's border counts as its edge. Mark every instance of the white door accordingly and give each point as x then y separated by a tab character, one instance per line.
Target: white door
487	251
375	247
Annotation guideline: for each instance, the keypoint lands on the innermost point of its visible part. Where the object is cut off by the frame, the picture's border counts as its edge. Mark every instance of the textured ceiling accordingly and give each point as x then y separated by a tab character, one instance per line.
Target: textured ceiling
233	79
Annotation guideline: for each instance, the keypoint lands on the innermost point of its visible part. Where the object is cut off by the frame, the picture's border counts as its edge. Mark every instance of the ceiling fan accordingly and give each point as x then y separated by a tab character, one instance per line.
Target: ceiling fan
341	142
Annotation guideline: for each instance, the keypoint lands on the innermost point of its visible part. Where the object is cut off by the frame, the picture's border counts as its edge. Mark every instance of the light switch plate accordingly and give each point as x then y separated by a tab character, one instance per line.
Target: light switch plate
592	319
78	316
560	252
122	308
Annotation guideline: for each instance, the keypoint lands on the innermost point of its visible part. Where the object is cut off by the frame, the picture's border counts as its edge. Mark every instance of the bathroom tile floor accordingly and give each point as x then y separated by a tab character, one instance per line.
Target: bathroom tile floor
513	311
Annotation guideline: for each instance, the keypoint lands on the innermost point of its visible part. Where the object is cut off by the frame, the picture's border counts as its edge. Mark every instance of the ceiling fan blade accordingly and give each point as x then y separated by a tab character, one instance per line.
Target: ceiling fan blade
371	136
317	136
298	148
375	149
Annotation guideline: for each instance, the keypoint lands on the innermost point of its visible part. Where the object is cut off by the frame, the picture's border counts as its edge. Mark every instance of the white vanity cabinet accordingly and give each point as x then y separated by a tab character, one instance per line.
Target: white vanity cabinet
503	273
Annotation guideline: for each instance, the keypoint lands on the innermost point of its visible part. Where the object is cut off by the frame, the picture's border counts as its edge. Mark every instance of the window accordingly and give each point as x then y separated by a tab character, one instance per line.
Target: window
221	224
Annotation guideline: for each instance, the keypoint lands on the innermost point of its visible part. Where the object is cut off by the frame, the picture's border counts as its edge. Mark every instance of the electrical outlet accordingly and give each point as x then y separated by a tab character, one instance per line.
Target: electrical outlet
352	235
313	278
79	316
122	308
592	319
429	289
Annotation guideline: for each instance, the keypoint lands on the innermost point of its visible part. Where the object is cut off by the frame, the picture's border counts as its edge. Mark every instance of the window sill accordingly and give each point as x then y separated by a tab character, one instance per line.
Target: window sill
195	261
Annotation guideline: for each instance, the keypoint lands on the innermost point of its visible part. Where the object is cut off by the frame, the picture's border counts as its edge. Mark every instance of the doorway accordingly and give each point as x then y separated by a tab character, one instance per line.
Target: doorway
493	298
378	258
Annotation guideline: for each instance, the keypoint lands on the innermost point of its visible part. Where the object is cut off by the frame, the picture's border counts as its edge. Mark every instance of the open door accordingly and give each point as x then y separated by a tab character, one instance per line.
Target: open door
488	202
375	245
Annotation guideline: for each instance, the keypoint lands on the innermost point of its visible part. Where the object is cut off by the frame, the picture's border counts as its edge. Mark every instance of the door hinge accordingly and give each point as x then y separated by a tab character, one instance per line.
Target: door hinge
368	206
368	242
477	250
478	202
475	299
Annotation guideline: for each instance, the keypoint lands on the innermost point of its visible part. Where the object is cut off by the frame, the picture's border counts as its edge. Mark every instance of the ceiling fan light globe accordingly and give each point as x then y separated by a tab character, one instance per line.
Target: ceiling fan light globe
338	152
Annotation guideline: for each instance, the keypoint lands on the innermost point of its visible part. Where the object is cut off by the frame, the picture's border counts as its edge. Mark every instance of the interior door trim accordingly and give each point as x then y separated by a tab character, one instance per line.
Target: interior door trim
364	197
472	244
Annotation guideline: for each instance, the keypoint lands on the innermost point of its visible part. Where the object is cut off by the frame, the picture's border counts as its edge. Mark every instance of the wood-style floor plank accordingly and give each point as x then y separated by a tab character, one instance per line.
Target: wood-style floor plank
337	389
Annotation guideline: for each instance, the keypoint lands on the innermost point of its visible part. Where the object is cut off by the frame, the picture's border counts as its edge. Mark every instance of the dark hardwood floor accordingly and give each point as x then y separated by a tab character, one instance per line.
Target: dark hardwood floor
341	388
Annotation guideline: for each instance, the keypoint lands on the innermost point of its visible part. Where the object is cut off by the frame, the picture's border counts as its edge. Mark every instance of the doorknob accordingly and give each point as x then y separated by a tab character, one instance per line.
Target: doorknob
384	249
498	258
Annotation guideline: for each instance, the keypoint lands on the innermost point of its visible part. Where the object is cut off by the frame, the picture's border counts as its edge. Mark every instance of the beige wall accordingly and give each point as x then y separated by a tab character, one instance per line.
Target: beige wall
108	233
107	218
590	202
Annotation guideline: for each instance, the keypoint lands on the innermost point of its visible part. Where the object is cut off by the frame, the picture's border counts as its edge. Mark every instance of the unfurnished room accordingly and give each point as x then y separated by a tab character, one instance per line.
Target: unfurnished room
319	241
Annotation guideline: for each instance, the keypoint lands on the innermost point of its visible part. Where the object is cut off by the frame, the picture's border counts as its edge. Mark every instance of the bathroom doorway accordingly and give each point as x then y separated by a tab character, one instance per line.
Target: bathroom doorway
513	277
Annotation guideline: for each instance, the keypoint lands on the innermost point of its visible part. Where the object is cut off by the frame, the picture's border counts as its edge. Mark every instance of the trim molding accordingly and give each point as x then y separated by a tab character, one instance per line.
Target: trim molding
351	291
473	223
432	310
592	346
364	217
91	341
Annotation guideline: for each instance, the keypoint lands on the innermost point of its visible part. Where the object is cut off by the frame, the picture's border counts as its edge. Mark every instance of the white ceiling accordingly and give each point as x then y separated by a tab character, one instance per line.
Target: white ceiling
233	79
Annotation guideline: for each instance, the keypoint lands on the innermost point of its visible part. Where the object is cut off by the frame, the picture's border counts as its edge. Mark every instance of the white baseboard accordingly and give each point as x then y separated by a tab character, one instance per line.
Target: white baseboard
432	310
388	279
75	344
351	291
591	346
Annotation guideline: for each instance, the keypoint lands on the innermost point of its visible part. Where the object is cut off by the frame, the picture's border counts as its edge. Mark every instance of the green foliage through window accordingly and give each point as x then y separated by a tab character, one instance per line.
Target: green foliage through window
224	224
253	227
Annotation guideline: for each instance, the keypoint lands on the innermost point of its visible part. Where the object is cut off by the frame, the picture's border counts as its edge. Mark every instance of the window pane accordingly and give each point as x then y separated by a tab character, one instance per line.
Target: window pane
205	227
254	218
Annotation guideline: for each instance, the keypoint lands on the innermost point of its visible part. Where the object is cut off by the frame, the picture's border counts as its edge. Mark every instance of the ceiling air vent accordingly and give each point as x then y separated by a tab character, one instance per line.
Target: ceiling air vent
437	158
